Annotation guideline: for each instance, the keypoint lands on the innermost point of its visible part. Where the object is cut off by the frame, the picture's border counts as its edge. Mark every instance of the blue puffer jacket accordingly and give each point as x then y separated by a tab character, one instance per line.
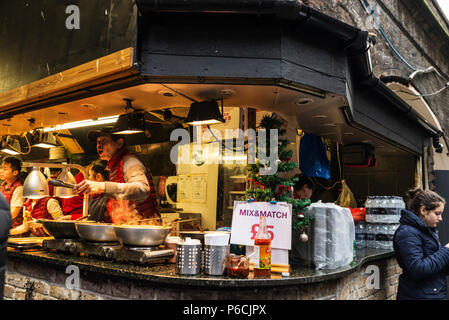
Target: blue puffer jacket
423	259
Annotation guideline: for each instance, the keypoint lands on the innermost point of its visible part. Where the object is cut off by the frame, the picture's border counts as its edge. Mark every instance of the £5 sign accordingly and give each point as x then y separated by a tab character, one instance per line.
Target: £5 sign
246	218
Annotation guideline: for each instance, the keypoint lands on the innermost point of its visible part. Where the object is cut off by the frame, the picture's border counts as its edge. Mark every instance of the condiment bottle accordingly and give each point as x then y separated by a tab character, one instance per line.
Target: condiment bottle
262	251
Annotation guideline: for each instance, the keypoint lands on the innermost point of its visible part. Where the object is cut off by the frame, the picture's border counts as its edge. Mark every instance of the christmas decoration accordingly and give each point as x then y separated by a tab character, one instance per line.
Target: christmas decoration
278	187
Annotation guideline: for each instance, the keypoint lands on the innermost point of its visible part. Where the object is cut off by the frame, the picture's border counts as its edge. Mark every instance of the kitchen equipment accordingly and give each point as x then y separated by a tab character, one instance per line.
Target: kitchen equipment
35	185
59	183
94	231
198	235
26	243
188	257
67	180
215	259
171	243
218	238
109	250
141	235
64	229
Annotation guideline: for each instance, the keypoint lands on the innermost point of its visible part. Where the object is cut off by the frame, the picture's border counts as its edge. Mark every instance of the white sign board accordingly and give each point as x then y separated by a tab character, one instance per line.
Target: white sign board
246	218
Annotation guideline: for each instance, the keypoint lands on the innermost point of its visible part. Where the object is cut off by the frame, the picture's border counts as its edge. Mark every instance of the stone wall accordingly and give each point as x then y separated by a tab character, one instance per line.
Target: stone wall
31	281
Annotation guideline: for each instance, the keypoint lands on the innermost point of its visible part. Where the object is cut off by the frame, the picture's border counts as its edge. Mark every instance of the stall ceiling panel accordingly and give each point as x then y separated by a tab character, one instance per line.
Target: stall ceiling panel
35	42
218	48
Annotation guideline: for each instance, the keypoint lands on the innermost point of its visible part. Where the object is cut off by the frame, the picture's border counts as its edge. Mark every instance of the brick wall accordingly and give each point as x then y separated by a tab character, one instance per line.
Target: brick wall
28	281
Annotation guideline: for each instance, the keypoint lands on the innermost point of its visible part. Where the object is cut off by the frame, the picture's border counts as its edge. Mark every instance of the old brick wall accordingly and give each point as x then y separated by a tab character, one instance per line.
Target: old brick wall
28	281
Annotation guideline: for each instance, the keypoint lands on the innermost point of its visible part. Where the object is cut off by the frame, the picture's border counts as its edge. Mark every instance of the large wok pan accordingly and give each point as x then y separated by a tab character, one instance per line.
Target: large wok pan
141	235
95	231
60	229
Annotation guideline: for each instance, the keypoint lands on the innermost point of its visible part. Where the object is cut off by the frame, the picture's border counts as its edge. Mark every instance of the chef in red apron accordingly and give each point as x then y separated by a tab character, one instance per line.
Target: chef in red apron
12	188
130	186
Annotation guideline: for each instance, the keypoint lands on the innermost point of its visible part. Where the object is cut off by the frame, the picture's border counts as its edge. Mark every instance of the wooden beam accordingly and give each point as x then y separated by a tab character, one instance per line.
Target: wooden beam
105	68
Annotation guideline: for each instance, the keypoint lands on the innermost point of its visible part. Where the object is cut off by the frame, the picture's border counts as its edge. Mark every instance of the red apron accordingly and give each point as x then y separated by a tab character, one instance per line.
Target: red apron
8	191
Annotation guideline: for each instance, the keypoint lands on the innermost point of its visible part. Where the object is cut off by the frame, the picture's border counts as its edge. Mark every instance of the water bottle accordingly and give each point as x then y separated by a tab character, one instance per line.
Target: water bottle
369	204
360	234
382	236
369	235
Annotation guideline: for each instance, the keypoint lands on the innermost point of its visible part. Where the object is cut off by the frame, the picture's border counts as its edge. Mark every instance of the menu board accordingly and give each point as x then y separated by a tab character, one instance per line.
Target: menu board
184	188
199	188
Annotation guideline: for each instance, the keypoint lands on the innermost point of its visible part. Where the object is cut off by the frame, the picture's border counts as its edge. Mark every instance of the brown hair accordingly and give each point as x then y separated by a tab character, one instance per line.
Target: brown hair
427	198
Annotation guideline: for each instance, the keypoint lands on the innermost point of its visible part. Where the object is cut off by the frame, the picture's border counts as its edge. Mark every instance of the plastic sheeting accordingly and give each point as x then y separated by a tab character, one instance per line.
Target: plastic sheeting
334	235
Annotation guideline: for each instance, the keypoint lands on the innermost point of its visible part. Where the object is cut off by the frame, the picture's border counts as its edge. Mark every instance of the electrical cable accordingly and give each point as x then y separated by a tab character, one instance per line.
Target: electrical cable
367	6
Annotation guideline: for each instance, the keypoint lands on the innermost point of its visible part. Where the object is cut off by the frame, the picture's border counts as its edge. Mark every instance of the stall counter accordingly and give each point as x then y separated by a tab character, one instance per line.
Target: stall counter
43	274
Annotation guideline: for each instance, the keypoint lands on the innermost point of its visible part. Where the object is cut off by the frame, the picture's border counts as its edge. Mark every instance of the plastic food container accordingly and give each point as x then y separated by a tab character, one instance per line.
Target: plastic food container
219	238
171	243
237	266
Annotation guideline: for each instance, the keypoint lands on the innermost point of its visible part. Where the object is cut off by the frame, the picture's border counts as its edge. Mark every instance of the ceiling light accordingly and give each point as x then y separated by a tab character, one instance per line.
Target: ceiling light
43	139
303	101
10	145
83	123
204	113
135	122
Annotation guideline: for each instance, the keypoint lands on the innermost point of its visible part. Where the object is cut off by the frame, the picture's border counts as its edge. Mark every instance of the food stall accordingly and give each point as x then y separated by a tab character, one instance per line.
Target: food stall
328	90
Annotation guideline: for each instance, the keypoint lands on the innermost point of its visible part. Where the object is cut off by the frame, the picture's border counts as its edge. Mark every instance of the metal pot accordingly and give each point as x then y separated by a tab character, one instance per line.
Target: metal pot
141	235
60	229
99	232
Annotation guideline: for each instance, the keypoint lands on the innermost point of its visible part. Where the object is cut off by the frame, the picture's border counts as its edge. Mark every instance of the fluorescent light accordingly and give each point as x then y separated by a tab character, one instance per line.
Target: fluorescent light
44	145
83	123
129	132
9	151
206	122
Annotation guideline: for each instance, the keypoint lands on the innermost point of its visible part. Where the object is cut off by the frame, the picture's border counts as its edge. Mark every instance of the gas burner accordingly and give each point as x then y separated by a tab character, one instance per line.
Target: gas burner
110	250
152	248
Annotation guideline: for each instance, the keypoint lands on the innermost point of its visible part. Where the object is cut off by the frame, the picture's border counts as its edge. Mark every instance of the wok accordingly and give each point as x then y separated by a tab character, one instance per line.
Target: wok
94	231
142	235
60	229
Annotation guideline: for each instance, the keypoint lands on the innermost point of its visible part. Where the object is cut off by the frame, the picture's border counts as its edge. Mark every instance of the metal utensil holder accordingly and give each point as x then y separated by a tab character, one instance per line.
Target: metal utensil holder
188	259
215	259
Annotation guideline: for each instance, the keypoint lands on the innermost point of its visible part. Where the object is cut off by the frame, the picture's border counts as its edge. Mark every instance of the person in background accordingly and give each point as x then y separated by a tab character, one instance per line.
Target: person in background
73	207
97	202
304	187
5	225
12	188
424	261
44	208
54	173
130	186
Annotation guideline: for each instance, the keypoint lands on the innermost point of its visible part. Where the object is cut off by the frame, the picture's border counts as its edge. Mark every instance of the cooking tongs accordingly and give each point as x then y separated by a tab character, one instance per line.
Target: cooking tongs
59	183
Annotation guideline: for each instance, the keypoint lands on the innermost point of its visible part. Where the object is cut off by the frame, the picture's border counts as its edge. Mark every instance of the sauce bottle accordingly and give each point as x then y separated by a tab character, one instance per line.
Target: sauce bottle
262	251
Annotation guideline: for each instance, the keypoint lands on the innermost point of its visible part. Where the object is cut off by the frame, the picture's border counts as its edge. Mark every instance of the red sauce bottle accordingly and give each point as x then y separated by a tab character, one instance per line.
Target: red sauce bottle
262	248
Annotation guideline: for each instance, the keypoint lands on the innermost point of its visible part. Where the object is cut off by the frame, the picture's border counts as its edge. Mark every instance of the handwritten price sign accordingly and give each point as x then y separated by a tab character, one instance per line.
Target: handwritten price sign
255	229
246	218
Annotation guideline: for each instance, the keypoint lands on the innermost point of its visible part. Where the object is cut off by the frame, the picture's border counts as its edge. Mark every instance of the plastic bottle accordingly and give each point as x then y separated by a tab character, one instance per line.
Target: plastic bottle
360	234
262	251
369	235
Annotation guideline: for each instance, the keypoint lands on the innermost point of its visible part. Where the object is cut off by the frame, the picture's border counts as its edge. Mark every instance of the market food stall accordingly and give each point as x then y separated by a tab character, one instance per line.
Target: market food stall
327	90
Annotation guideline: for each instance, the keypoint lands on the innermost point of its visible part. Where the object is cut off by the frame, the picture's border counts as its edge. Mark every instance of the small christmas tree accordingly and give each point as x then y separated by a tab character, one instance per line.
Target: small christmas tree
277	187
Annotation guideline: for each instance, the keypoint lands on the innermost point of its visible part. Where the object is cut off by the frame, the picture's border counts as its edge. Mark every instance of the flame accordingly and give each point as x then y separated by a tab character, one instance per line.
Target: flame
125	212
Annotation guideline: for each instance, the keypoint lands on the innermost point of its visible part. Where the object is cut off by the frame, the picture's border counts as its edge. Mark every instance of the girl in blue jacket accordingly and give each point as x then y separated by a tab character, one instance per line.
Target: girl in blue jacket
424	261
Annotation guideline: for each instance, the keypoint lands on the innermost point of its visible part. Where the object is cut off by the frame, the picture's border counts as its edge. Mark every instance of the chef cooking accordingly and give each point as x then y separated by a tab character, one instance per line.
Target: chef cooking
130	186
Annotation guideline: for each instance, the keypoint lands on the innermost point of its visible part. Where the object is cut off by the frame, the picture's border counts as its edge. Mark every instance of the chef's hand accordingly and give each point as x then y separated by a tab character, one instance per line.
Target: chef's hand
89	186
